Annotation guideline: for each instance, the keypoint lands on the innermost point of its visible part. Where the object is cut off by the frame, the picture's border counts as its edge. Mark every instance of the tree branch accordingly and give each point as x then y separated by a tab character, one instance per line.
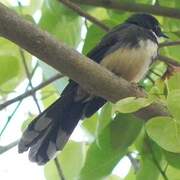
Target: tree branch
3	149
168	60
169	43
132	7
90	75
30	92
78	10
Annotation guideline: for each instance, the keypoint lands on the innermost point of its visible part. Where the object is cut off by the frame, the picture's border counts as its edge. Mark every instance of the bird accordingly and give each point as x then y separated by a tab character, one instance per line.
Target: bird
128	50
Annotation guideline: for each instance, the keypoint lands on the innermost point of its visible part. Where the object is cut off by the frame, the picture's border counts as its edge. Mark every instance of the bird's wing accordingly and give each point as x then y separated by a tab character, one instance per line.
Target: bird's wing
105	46
107	42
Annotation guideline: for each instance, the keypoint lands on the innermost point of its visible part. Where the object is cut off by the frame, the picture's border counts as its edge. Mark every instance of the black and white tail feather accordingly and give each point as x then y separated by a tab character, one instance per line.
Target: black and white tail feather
50	131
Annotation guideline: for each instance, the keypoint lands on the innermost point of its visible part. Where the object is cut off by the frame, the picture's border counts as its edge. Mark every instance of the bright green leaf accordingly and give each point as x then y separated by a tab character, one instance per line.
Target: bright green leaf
131	104
9	68
165	132
12	71
173	102
94	35
104	117
90	124
148	171
101	160
131	175
27	122
151	157
70	159
172	82
172	173
113	177
173	159
49	95
102	157
124	129
61	22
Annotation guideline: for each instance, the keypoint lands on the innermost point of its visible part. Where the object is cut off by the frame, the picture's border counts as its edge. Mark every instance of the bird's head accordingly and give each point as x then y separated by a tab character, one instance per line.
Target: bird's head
147	21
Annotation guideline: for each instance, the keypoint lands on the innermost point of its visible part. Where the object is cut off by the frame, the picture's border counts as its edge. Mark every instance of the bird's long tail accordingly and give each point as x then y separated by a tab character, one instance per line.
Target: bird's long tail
50	131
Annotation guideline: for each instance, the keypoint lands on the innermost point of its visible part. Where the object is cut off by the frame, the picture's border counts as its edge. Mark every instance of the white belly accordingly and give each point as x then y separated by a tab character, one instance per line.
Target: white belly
131	63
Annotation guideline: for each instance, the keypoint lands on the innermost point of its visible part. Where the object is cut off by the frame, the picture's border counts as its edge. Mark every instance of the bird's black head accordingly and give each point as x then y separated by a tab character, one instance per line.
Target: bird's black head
147	21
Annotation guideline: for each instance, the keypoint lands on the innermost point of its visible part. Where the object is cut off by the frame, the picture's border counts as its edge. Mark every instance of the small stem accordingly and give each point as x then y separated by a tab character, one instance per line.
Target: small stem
58	167
29	78
134	162
132	7
17	106
78	10
171	43
30	92
168	60
6	148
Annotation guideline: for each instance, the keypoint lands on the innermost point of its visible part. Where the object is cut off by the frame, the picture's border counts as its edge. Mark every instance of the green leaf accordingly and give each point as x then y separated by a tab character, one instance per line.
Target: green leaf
172	82
90	124
27	122
99	12
102	157
172	173
151	157
49	72
49	95
118	16
94	35
101	160
124	129
104	117
131	104
165	132
173	102
148	170
61	22
9	68
173	159
131	175
113	177
70	159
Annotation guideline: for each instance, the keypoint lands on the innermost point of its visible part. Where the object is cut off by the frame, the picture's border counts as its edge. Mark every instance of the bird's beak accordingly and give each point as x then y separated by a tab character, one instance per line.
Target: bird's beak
163	35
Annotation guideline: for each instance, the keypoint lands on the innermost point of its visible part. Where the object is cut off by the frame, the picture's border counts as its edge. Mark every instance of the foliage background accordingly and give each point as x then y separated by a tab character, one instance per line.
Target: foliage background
113	132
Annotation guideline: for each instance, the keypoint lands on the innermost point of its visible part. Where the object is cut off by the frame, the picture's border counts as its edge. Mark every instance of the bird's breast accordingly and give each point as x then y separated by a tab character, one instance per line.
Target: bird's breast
131	63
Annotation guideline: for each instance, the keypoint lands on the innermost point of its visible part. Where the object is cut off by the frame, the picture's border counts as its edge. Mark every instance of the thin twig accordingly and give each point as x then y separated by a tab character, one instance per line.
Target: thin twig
134	162
171	43
17	106
59	170
78	10
6	148
168	60
132	7
29	78
30	92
